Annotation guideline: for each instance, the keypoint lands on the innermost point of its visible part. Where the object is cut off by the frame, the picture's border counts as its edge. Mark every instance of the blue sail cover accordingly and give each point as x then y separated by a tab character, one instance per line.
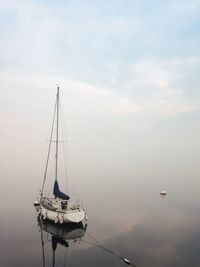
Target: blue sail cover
58	193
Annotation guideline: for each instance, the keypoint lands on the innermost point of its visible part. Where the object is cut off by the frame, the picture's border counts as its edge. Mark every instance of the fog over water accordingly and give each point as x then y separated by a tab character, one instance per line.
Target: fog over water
128	73
118	179
117	173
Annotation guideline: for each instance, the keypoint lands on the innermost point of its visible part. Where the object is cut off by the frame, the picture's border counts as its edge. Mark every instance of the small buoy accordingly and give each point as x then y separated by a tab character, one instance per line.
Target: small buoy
127	261
163	193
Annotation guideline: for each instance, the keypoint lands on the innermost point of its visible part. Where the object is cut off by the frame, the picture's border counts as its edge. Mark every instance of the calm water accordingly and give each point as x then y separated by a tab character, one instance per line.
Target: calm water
148	230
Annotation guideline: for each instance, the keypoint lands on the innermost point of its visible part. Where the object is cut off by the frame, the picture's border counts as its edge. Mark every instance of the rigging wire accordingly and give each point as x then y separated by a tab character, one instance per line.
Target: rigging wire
67	170
64	134
49	149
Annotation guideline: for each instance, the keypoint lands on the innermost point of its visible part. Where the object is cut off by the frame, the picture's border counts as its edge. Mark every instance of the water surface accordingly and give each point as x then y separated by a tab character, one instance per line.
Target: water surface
143	227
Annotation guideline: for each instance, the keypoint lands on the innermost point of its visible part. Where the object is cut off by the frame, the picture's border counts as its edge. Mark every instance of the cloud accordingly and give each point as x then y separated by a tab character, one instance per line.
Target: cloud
160	87
107	57
86	97
152	90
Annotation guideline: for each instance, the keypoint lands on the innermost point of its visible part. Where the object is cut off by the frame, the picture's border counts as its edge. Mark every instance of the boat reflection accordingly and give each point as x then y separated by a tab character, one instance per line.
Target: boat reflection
66	234
59	234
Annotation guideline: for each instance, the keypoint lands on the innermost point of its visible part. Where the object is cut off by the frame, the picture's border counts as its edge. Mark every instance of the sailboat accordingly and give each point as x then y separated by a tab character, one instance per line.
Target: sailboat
58	208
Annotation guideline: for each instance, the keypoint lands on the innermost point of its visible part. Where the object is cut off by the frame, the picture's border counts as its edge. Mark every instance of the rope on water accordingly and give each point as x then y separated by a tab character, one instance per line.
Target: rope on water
102	246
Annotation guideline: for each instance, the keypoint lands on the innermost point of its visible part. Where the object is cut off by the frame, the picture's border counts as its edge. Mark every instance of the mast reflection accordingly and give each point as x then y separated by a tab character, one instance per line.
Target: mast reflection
59	234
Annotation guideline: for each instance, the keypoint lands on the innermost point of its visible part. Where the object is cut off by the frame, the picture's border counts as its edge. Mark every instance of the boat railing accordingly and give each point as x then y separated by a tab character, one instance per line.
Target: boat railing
75	205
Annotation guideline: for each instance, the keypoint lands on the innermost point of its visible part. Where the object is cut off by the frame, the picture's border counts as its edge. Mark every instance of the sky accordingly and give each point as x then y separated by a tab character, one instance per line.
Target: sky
129	78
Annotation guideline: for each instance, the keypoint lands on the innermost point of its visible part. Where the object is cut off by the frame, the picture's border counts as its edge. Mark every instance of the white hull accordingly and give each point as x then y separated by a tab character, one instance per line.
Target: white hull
63	232
71	216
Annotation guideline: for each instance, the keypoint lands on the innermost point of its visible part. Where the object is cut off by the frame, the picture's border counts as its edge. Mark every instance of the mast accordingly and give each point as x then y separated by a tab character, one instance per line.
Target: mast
57	127
56	190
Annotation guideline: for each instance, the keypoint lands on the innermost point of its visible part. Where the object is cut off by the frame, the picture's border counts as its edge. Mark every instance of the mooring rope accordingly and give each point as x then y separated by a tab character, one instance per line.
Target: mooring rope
102	246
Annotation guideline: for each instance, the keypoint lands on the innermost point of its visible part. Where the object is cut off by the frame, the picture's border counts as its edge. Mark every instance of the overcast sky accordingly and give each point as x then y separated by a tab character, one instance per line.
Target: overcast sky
129	77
